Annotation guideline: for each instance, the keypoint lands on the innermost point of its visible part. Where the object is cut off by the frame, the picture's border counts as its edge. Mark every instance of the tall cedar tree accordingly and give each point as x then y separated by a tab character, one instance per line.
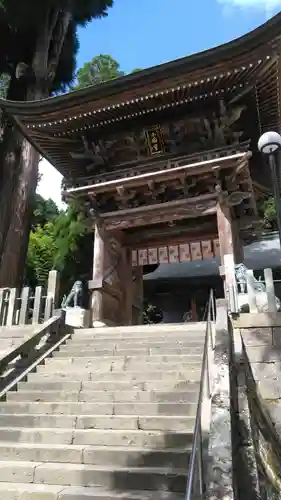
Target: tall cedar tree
100	69
38	44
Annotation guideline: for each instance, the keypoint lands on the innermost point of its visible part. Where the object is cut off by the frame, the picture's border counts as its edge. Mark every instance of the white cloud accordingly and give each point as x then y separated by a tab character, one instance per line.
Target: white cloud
267	6
50	183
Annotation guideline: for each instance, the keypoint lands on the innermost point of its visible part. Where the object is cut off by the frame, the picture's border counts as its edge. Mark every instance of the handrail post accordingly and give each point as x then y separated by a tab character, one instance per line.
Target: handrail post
200	462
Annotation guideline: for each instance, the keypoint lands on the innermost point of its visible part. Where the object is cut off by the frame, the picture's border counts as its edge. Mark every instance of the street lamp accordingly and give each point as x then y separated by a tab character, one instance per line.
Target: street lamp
269	143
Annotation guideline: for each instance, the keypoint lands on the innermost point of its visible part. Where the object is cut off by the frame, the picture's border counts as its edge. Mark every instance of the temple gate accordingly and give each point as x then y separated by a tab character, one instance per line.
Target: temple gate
142	231
165	162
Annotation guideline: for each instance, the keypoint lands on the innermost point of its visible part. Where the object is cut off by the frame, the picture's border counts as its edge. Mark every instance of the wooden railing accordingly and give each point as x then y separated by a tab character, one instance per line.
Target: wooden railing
29	306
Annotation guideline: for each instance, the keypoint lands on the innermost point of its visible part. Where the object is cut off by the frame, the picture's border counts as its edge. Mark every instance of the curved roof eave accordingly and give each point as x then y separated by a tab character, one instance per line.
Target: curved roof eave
238	47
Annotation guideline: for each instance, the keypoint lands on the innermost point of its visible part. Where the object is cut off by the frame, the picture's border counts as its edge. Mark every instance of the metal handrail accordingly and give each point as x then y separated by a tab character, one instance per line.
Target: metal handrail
195	479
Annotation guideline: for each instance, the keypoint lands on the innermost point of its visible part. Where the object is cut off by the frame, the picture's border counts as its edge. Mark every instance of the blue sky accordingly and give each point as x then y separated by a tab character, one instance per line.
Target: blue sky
144	33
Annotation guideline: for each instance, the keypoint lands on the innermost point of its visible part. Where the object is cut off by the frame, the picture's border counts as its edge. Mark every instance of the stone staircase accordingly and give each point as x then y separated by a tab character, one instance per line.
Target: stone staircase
110	415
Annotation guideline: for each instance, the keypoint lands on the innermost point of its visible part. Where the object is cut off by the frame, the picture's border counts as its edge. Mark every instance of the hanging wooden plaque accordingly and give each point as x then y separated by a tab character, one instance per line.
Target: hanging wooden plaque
154	140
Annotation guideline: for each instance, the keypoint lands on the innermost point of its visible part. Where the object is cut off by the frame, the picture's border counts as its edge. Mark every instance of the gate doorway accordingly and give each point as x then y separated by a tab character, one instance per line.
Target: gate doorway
181	299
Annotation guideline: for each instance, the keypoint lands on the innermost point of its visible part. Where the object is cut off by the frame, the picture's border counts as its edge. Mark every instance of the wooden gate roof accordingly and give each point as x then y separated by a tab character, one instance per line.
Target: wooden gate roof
251	62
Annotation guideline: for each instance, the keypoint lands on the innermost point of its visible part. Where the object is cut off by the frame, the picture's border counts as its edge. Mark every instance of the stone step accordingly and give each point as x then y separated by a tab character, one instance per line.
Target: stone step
138	341
90	358
94	455
97	437
173	328
165	343
108	408
191	338
94	475
134	342
263	354
11	343
118	366
16	491
107	385
174	396
118	353
128	377
15	332
126	422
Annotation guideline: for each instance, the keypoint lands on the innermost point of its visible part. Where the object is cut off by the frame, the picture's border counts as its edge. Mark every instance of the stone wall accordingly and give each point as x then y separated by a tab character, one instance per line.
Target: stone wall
220	467
260	372
246	482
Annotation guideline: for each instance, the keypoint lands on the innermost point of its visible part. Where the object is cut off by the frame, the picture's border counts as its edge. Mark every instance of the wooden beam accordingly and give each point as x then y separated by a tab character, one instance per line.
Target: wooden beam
164	207
160	175
148	220
265	67
249	221
161	212
147	237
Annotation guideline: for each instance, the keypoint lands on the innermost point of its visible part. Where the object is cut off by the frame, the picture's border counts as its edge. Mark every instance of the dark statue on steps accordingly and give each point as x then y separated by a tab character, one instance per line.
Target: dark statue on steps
77	297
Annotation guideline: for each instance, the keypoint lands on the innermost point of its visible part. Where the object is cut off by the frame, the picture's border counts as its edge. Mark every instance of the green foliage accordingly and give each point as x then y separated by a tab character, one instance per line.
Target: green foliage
44	212
23	22
69	228
41	254
269	213
4	85
100	69
58	240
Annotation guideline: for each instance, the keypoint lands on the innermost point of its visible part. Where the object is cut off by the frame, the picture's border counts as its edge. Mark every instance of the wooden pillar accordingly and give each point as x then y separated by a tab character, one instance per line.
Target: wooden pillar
228	233
137	304
230	249
127	284
111	285
224	230
238	250
98	275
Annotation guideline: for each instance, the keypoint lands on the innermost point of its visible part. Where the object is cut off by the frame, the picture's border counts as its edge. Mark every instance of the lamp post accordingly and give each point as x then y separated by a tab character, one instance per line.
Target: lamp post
269	143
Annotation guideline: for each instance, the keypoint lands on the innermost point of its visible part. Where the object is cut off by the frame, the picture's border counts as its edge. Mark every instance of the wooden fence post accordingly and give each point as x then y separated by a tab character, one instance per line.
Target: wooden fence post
37	305
251	291
12	307
270	292
23	317
52	294
2	305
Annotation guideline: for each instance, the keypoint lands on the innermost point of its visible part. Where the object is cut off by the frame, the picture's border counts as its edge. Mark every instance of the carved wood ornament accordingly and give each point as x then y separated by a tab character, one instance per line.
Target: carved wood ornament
182	136
179	186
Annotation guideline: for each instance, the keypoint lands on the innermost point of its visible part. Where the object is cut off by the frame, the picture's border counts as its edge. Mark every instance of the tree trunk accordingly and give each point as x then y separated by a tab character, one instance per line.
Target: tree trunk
10	152
21	163
22	199
13	258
